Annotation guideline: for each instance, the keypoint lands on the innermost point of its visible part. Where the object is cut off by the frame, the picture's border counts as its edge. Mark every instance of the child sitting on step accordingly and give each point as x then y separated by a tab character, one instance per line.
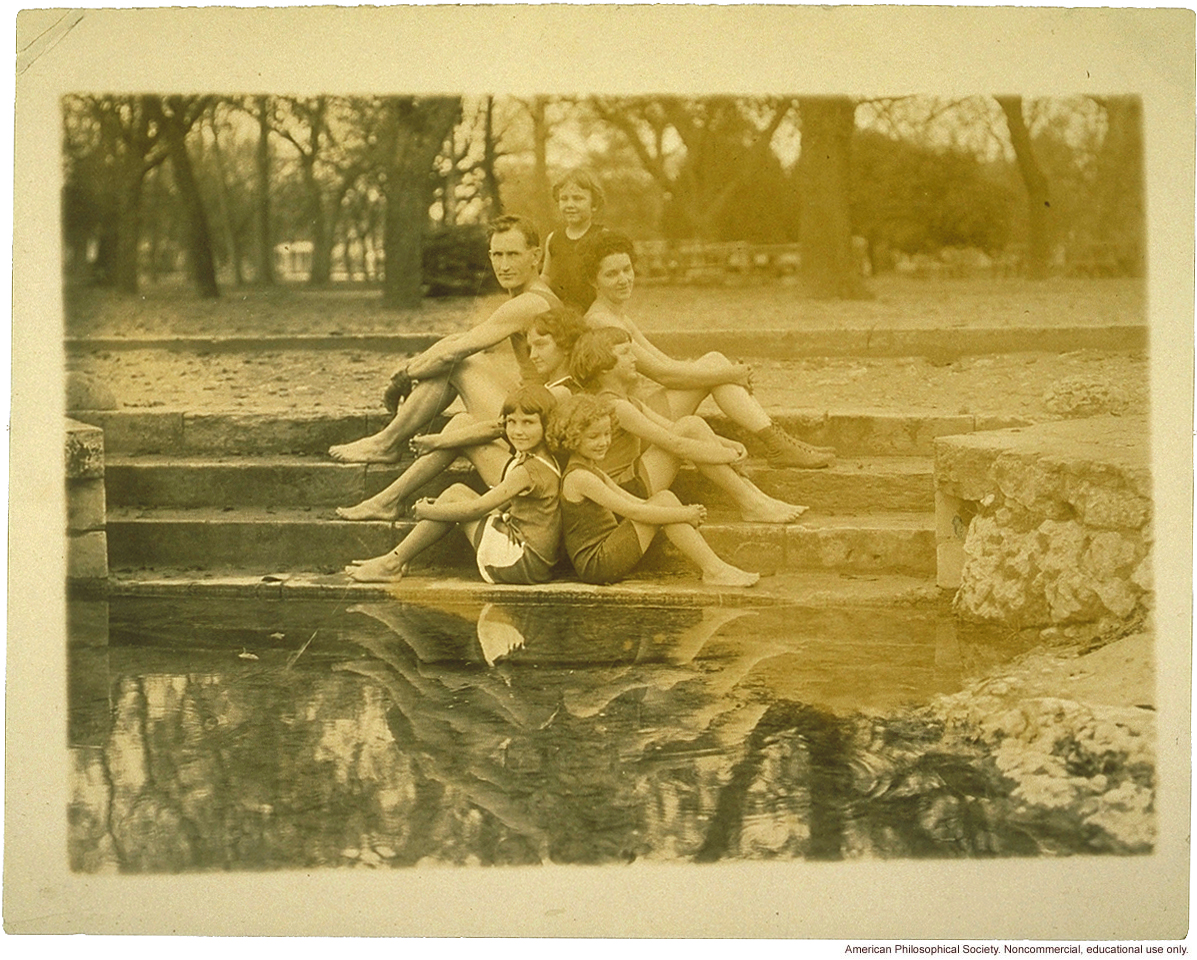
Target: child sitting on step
647	446
514	528
606	529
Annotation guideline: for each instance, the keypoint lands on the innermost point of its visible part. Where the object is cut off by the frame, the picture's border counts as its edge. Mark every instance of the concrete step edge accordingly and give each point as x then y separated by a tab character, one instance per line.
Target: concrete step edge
797	589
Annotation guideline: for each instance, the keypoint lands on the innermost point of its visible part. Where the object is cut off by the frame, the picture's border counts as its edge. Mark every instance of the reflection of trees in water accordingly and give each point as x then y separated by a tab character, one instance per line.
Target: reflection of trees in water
484	736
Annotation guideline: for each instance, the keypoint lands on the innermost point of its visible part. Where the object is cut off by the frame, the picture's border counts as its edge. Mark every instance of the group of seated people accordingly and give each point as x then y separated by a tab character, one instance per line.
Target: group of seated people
579	448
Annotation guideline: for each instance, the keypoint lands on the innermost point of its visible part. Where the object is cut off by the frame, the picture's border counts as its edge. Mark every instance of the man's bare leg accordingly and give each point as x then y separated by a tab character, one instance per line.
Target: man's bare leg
385	504
427	399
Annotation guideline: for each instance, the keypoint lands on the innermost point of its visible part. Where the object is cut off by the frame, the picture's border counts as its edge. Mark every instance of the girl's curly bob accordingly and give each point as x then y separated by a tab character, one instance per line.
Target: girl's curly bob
572	418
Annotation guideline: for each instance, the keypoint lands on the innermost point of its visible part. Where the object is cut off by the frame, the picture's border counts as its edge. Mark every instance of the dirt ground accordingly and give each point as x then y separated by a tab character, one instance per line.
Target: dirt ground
353	378
899	302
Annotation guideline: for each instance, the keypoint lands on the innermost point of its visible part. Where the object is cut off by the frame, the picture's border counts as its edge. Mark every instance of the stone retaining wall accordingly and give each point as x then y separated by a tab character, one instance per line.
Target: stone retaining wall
1048	524
87	538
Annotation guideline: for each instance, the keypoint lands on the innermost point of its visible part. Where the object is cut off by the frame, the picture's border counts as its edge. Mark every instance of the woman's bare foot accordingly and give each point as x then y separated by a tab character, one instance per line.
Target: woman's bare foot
726	575
385	569
771	510
365	450
368	510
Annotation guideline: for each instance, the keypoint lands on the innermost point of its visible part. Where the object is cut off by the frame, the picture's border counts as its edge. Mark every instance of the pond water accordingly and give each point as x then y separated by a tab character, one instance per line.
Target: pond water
250	735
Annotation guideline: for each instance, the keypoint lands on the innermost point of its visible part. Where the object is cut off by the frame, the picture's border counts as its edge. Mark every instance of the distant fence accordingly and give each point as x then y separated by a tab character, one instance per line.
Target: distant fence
689	261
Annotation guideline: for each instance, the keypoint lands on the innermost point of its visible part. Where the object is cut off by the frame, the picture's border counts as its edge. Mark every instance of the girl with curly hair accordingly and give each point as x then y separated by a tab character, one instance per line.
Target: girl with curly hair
606	529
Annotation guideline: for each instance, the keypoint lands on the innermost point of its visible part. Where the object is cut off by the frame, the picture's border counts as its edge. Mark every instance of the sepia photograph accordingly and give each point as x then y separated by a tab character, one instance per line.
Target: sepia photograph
485	458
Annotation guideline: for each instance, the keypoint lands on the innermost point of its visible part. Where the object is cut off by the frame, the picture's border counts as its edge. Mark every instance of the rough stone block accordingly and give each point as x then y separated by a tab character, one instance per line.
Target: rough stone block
1063	528
86	506
84	450
87	555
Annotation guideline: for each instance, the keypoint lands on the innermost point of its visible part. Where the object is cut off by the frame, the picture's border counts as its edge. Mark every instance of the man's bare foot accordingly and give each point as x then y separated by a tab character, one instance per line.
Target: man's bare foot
385	569
771	510
368	510
729	576
365	450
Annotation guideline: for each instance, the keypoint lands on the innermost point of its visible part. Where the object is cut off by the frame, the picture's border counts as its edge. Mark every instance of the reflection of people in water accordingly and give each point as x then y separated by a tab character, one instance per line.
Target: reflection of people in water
541	745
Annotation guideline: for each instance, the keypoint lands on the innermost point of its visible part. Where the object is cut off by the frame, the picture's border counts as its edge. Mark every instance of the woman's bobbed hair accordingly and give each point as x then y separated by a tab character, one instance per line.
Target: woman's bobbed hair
564	324
572	418
593	354
605	245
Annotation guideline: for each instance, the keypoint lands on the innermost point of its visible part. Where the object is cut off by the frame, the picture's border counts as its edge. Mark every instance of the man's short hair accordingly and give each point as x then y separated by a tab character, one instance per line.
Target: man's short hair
513	221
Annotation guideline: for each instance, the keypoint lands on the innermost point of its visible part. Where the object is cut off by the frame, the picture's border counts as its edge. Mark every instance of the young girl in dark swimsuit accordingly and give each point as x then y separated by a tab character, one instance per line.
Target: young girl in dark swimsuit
515	527
606	529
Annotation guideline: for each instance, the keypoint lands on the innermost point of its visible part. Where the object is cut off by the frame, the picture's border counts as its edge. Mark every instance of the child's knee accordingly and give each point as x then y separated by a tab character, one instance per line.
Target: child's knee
456	493
715	357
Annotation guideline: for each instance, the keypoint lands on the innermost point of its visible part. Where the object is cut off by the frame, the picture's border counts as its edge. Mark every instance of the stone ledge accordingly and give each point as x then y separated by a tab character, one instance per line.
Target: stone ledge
1046	524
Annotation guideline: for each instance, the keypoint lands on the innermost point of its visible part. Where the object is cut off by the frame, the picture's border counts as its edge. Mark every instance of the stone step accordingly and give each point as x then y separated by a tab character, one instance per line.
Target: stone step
805	589
778	344
852	485
268	541
257	481
864	432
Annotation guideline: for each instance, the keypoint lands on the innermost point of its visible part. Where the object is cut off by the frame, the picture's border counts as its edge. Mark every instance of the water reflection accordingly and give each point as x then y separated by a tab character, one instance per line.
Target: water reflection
521	733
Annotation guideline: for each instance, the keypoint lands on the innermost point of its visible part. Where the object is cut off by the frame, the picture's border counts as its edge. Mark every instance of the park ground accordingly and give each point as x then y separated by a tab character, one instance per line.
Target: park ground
333	379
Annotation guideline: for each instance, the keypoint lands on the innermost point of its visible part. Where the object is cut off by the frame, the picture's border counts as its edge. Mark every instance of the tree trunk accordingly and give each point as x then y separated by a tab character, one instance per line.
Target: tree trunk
829	269
1038	197
1121	218
203	265
545	213
128	229
222	201
265	241
415	131
490	154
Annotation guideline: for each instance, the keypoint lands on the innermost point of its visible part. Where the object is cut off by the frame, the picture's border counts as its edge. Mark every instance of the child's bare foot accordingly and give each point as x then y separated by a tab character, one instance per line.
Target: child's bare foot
385	569
368	510
772	510
728	576
365	450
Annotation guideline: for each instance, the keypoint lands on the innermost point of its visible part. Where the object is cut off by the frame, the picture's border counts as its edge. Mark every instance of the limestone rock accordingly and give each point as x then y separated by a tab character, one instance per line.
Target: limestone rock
1084	396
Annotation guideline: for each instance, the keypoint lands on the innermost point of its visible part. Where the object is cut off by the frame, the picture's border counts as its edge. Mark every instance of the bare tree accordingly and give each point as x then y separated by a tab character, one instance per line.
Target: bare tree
265	247
176	115
412	132
723	144
1038	195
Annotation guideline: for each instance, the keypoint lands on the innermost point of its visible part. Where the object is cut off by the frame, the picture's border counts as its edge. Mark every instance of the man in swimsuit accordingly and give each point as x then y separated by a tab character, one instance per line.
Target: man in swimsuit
451	367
